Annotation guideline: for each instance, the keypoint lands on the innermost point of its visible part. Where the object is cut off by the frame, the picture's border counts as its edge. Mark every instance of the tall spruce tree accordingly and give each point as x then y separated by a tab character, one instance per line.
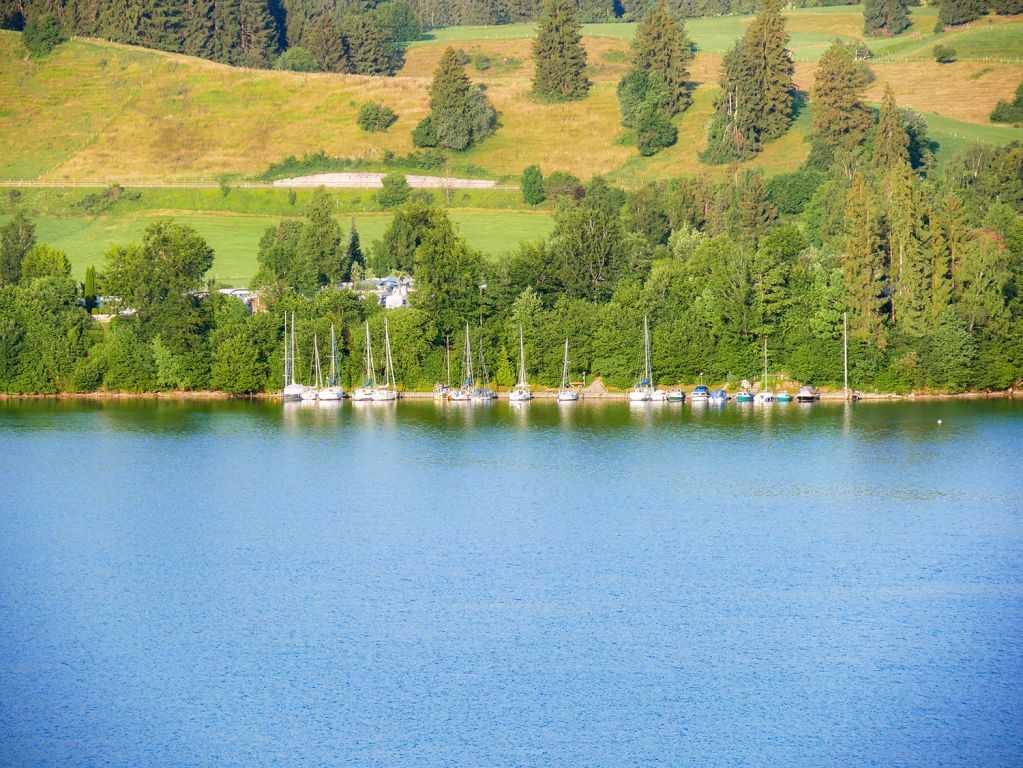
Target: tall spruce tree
257	34
891	144
460	113
370	50
197	28
755	103
953	12
326	44
908	268
559	54
862	263
884	17
662	48
226	31
939	295
840	118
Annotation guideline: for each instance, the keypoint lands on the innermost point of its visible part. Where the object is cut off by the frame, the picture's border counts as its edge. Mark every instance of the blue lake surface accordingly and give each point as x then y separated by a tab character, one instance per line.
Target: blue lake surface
240	584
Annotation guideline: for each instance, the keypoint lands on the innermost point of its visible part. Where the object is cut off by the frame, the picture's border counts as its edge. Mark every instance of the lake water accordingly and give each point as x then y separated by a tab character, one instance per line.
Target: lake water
238	584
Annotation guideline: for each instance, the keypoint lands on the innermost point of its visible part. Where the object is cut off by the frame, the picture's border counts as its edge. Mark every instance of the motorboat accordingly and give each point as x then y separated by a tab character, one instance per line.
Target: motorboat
700	394
783	396
744	396
719	396
676	396
808	394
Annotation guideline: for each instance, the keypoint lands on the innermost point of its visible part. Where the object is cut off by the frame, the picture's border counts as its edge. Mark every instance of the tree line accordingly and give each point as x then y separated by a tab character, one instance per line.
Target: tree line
927	267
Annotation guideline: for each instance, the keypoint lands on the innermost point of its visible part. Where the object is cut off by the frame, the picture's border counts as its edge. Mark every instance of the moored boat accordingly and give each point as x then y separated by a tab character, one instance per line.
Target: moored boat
333	392
521	393
744	396
808	394
763	397
566	392
643	392
676	396
389	391
700	394
719	396
292	390
783	396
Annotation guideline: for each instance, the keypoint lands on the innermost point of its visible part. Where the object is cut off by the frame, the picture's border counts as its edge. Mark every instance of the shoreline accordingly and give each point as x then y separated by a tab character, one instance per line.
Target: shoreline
199	395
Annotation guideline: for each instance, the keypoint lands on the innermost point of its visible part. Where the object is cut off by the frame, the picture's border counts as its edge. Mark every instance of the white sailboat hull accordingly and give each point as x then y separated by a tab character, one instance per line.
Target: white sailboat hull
384	396
331	394
568	396
639	395
520	395
362	394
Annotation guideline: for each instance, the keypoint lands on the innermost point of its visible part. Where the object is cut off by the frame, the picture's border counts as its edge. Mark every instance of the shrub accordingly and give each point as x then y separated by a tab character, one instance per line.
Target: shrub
96	203
654	131
395	191
532	185
375	118
296	59
1009	111
943	54
790	192
42	34
559	184
424	135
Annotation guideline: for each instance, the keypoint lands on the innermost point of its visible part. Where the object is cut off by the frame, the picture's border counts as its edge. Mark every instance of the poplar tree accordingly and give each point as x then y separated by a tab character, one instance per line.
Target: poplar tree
319	246
559	54
884	17
840	118
891	145
662	48
862	263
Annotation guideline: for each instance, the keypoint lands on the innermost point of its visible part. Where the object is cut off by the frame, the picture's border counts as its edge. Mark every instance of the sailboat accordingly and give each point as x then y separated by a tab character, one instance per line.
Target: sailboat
389	391
566	392
333	391
313	392
442	391
483	393
644	391
365	392
764	395
521	393
464	393
292	390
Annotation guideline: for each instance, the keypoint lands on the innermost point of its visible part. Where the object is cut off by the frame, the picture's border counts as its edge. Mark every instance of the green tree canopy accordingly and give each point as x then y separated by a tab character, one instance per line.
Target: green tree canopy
559	54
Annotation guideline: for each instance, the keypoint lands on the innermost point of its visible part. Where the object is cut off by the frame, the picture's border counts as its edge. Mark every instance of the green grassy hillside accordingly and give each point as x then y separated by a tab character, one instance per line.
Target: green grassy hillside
96	111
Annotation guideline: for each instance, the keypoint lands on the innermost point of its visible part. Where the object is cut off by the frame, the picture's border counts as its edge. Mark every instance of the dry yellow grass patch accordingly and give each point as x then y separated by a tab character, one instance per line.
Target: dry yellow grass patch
848	24
602	54
948	88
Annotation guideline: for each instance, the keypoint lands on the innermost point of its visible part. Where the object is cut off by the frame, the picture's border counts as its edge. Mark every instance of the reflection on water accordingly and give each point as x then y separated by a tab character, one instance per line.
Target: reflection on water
457	584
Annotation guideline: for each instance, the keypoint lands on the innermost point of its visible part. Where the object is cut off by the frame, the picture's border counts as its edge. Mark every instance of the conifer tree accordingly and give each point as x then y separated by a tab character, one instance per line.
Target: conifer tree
884	17
939	295
840	118
891	145
89	289
662	48
953	12
862	263
197	28
770	65
460	113
559	54
370	51
907	262
325	43
755	103
257	34
226	31
353	253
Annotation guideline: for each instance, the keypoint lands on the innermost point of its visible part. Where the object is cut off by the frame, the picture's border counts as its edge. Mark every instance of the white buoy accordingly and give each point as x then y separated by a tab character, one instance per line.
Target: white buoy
939	421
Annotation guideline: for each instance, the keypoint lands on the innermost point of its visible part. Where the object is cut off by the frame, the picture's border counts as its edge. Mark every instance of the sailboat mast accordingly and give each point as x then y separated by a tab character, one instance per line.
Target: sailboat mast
447	350
564	368
389	381
522	359
285	348
371	375
333	357
469	381
292	368
765	362
845	354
